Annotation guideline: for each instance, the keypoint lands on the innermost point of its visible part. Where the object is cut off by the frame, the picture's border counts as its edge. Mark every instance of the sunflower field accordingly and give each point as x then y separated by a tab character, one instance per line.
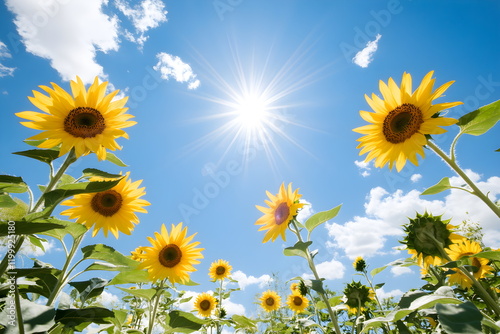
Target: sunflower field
460	287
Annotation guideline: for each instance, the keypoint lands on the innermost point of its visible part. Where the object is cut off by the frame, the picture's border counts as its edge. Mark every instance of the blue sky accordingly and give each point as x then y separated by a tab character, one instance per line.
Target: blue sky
184	65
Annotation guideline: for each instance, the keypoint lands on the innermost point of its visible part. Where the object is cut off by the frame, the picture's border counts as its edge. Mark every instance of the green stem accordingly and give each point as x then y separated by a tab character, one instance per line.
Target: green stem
52	183
453	165
63	277
312	266
219	307
19	315
152	315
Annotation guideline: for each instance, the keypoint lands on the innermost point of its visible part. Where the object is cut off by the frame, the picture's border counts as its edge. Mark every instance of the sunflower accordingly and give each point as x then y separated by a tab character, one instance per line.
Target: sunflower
219	270
402	121
205	304
172	255
113	210
270	301
468	248
359	264
297	303
282	209
427	236
88	121
136	254
356	296
295	288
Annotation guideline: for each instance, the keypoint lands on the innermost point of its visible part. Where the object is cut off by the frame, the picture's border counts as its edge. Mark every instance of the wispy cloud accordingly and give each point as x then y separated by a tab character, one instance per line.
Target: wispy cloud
244	280
146	15
364	57
173	67
68	34
4	53
415	178
364	167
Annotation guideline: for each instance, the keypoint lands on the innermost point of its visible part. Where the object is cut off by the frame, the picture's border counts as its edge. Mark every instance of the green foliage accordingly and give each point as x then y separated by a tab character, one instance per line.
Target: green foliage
481	120
320	218
46	156
442	185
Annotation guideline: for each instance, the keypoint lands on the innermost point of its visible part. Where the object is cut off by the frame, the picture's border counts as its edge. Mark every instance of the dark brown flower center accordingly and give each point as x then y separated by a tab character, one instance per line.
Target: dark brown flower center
402	123
170	255
84	122
205	305
281	213
107	203
297	301
269	301
220	270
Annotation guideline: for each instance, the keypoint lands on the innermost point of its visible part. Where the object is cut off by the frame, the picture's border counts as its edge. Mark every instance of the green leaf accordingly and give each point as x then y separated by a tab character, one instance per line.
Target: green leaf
7	202
114	159
393	316
299	249
379	285
12	184
409	297
91	288
91	172
46	156
141	293
183	322
55	196
108	254
18	228
36	318
481	120
321	217
74	317
377	270
130	276
431	300
45	279
68	227
490	255
243	322
315	284
442	185
460	319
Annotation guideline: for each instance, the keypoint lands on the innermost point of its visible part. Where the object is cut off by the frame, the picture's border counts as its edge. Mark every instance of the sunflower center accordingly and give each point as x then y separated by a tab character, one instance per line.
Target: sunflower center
297	301
106	203
205	305
84	122
220	270
170	255
402	123
269	301
281	213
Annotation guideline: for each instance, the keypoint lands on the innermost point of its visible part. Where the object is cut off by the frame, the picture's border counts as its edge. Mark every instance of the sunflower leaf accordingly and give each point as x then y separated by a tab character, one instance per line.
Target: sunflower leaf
490	255
73	317
481	120
90	172
114	159
377	270
91	288
442	185
321	217
12	184
130	276
299	249
46	156
7	202
108	254
68	227
36	318
456	319
17	228
184	322
141	293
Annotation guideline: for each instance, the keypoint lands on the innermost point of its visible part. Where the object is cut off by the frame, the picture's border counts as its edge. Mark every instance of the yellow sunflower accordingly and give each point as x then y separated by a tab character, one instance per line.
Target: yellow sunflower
295	288
270	301
402	120
113	210
88	121
468	248
357	295
172	255
219	270
359	264
205	304
136	254
282	209
297	303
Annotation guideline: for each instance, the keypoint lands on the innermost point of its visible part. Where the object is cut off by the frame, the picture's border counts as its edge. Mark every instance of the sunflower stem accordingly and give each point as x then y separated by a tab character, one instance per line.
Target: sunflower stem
312	266
152	315
475	190
63	277
19	315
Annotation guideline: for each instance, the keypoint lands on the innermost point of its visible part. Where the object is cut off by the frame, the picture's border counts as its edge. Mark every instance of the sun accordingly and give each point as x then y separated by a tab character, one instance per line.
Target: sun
253	111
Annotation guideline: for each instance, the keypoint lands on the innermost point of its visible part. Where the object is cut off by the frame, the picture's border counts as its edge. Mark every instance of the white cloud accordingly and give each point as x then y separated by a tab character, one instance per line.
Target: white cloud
173	67
329	270
108	299
4	53
364	167
381	294
233	308
415	178
364	57
387	212
305	212
244	280
398	271
146	15
68	33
